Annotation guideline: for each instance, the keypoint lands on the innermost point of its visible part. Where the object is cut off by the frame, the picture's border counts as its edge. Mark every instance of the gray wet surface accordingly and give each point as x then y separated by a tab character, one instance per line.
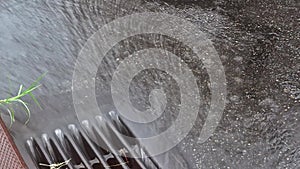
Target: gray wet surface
258	43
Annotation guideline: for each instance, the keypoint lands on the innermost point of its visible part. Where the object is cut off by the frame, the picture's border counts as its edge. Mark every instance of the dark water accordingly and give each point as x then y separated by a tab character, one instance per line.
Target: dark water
258	43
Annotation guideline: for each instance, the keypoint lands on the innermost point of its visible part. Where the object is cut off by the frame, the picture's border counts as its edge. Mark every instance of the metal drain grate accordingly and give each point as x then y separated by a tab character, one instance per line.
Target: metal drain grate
74	142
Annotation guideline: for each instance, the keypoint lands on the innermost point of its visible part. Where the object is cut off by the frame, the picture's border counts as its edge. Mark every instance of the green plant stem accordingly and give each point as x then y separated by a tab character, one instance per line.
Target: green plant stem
8	103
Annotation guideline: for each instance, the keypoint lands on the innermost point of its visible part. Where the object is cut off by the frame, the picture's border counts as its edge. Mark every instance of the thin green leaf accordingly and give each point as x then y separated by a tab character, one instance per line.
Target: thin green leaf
20	90
12	116
35	83
24	93
1	105
35	100
13	112
9	87
27	109
29	90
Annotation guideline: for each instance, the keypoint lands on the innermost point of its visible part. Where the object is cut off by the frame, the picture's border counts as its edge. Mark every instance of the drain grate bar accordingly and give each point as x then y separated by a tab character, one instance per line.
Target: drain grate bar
75	143
116	126
78	151
61	152
121	161
95	150
126	145
67	151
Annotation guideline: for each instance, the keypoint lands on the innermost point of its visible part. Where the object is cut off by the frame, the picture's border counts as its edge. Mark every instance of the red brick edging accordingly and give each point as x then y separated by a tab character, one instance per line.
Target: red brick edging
10	157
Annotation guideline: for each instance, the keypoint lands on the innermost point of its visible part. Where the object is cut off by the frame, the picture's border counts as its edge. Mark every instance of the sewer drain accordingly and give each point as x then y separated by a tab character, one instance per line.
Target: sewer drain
74	143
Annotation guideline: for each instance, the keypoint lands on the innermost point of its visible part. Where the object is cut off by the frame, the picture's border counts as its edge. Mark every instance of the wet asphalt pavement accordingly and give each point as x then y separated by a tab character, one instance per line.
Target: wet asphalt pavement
257	41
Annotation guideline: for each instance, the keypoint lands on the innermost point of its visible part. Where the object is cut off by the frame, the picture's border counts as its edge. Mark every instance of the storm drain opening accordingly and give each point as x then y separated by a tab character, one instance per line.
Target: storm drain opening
74	147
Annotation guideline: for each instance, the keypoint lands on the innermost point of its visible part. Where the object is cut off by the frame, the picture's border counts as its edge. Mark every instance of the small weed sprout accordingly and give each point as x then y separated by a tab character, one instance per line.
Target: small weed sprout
7	104
122	151
56	166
